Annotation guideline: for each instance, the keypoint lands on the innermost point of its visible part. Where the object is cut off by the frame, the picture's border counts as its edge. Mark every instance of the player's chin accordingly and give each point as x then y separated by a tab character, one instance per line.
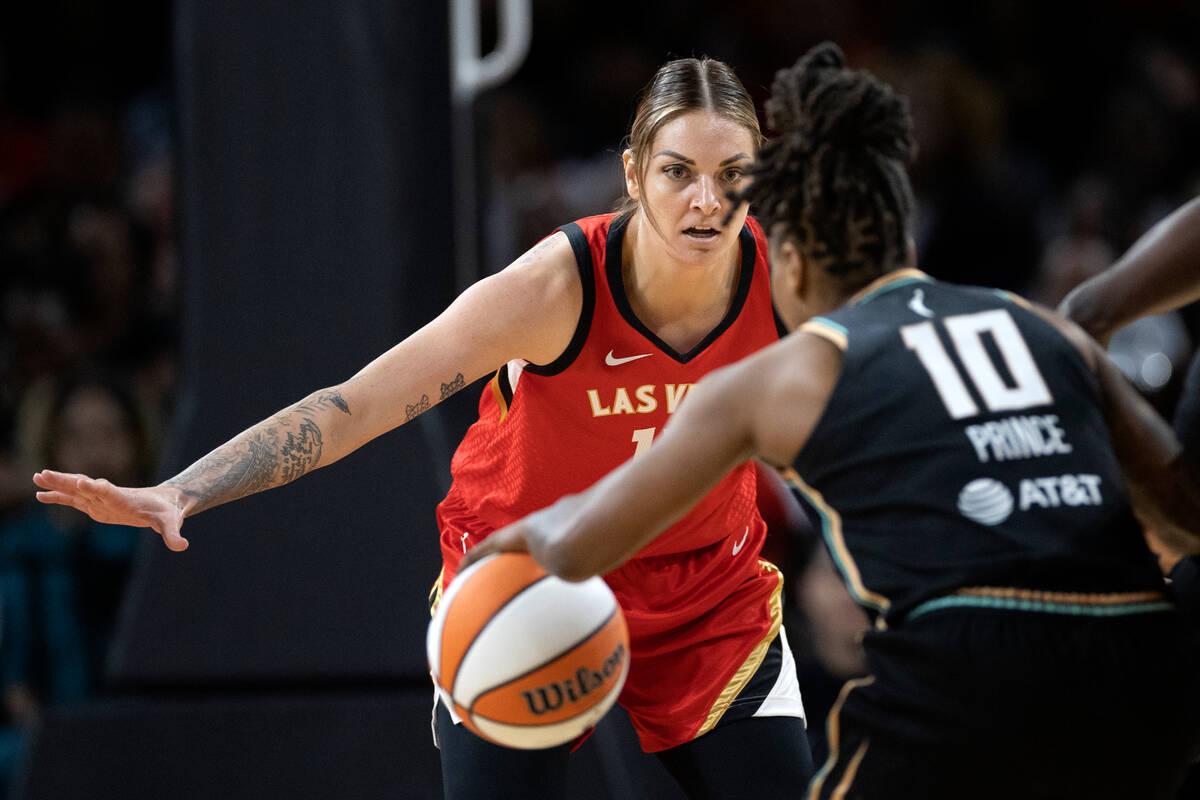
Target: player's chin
701	247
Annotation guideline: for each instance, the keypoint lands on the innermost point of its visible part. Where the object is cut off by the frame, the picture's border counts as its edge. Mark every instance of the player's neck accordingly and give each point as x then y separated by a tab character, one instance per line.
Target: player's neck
663	288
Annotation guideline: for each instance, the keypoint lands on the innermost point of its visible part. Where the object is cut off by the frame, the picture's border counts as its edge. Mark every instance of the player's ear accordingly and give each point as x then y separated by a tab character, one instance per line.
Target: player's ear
789	267
631	178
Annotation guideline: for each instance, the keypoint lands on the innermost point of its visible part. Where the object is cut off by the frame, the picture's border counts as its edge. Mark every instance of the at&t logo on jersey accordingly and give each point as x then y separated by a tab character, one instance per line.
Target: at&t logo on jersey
989	502
985	500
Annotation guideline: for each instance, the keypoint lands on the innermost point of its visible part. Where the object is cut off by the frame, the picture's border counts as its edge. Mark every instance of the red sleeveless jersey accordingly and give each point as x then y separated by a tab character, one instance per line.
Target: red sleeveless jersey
697	599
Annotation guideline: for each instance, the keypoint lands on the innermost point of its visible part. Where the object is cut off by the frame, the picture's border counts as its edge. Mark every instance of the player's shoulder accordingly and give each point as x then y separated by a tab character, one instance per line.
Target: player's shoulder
550	267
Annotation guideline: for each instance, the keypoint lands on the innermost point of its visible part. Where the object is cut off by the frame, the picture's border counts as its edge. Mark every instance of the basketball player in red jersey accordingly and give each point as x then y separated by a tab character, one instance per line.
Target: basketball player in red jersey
594	337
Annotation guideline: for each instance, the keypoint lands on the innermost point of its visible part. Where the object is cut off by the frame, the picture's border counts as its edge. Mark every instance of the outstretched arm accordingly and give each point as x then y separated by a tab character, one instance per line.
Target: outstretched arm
529	310
1160	272
765	405
273	452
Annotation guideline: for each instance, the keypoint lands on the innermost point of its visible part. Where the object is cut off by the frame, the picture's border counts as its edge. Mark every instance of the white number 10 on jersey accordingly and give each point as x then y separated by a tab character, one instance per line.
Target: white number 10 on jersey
966	334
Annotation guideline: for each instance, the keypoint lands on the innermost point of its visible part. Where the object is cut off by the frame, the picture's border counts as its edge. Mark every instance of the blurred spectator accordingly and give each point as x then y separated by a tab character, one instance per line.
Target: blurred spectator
85	279
1082	248
61	575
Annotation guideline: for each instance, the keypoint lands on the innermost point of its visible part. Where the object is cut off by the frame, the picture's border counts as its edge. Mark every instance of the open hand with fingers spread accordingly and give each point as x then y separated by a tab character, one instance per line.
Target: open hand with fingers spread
159	507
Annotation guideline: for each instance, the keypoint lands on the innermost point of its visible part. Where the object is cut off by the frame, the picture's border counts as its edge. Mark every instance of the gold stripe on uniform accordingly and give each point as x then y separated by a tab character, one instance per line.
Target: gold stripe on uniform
753	661
499	395
1016	298
839	791
832	525
837	338
833	731
883	280
1074	598
435	592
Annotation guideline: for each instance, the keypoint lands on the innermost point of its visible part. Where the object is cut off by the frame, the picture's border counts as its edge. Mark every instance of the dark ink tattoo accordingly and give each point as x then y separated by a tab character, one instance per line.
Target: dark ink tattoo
244	466
532	254
301	450
274	452
323	399
453	386
421	405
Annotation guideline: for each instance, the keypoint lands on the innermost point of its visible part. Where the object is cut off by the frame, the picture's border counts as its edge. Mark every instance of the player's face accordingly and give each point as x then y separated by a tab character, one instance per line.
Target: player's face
694	161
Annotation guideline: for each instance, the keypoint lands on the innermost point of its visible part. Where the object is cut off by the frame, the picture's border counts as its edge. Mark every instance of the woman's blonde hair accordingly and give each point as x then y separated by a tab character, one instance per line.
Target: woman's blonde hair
680	86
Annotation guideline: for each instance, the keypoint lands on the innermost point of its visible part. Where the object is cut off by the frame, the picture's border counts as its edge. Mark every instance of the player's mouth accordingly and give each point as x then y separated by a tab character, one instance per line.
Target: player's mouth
702	234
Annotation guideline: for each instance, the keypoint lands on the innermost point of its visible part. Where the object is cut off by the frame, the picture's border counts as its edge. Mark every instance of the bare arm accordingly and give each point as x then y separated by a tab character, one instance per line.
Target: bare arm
1160	272
722	424
527	311
1164	482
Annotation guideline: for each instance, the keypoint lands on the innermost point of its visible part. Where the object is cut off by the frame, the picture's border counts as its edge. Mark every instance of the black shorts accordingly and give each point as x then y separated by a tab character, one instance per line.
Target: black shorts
969	703
745	756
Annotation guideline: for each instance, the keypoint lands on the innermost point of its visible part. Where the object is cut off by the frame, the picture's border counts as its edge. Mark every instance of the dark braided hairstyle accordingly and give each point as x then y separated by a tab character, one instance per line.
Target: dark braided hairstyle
836	177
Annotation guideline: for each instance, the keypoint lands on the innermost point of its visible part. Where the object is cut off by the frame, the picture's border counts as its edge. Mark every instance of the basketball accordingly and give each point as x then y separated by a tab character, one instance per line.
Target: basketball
525	659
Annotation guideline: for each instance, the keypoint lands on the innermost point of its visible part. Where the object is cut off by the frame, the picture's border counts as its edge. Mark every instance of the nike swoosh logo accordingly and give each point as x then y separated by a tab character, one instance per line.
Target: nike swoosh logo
737	548
613	361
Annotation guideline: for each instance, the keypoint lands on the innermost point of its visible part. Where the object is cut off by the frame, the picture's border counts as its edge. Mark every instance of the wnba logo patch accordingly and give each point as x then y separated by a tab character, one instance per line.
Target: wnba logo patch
986	501
551	697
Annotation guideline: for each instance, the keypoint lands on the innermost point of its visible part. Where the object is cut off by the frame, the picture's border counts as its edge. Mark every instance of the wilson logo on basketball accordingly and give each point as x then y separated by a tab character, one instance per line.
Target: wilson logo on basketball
551	697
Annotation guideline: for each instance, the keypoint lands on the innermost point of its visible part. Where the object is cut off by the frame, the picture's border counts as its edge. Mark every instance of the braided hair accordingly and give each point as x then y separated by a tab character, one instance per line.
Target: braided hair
836	177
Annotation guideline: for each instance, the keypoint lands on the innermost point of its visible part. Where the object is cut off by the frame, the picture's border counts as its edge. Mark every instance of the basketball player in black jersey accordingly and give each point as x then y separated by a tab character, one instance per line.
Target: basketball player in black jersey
976	465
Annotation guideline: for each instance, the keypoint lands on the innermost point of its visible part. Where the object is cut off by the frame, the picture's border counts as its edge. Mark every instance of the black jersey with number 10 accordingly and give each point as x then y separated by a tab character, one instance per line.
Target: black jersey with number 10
963	460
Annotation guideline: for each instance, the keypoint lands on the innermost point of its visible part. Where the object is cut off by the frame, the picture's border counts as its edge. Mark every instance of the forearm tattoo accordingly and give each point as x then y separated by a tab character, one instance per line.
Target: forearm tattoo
453	386
421	405
274	452
323	399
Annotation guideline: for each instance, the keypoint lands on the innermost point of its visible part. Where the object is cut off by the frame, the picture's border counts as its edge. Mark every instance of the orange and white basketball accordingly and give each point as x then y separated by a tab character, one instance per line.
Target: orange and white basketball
527	660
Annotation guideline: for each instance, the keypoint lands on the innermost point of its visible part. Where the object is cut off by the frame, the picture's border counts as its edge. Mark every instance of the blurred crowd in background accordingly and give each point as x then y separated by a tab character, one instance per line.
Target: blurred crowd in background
1051	136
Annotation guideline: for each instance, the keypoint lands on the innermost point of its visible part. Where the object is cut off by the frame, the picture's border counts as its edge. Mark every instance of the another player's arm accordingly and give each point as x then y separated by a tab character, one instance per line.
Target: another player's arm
1160	272
1164	479
765	405
528	310
1164	482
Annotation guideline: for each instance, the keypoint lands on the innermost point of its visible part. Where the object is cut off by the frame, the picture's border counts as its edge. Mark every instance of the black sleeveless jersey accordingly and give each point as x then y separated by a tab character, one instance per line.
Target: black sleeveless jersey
963	459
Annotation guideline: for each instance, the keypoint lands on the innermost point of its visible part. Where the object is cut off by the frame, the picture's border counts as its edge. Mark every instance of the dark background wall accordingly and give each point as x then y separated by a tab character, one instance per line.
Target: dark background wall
312	239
